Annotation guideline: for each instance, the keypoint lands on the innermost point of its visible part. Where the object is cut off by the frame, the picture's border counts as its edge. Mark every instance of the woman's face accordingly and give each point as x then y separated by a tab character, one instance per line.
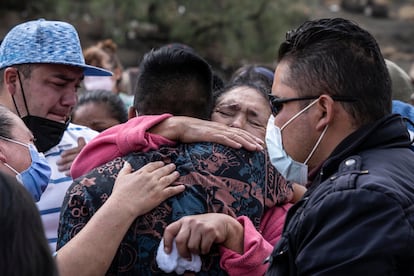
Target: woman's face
243	107
95	116
16	155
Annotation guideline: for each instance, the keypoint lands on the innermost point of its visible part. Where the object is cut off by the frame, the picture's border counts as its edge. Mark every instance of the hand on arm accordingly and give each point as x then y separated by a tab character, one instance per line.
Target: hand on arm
153	180
196	234
189	130
91	251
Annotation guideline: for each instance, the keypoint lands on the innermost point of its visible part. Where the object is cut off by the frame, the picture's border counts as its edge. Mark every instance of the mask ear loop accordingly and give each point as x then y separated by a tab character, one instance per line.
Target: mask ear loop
14	141
316	145
24	97
299	113
11	168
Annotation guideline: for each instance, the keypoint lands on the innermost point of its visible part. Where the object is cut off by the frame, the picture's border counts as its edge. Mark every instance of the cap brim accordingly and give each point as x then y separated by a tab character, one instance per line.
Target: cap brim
89	70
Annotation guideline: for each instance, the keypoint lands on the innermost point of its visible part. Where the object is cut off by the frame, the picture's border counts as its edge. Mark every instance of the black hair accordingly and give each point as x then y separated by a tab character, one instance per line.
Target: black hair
258	84
337	57
24	248
253	72
112	101
176	81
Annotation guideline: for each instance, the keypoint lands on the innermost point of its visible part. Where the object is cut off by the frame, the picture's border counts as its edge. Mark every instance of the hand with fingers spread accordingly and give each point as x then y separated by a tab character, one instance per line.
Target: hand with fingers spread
190	130
134	194
146	188
196	234
68	156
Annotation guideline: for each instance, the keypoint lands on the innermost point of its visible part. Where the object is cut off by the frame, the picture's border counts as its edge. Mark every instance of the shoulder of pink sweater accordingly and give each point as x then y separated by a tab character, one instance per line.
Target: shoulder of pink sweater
114	142
134	136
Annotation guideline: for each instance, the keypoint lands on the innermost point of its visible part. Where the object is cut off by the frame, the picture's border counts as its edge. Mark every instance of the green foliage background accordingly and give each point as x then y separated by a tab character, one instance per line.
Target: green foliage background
228	33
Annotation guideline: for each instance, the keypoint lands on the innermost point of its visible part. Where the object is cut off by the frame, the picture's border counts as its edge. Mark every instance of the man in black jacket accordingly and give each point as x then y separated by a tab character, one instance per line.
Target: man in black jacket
331	102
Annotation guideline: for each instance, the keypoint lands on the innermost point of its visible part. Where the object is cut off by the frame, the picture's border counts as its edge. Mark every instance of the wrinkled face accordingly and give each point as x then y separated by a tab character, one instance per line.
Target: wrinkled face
50	91
243	107
299	135
95	116
17	156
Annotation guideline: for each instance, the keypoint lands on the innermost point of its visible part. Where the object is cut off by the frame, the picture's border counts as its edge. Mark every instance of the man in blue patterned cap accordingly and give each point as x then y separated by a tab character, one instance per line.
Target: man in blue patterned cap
41	67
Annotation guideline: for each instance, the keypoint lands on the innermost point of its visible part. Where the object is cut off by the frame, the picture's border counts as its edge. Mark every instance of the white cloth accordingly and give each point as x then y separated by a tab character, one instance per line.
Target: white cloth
174	262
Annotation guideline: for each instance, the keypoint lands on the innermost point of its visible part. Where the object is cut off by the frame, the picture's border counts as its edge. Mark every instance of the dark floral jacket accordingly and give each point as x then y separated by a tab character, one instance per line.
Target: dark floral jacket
218	179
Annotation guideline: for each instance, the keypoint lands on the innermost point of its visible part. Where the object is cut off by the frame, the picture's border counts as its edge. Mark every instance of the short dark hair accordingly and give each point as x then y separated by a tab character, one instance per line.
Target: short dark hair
176	81
337	57
26	70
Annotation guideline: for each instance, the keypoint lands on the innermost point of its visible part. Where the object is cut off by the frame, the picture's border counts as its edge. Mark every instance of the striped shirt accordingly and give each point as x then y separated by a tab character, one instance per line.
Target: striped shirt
51	200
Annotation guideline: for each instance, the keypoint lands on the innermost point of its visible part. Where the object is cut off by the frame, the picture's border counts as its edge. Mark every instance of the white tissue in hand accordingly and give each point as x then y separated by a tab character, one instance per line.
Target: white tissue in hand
173	262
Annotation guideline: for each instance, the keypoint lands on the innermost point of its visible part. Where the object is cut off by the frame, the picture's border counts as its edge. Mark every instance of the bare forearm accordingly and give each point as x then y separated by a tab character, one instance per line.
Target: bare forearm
170	128
235	236
91	251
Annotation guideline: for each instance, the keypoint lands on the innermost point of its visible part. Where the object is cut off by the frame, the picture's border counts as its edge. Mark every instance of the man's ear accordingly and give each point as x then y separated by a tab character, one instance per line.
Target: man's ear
11	80
132	112
326	106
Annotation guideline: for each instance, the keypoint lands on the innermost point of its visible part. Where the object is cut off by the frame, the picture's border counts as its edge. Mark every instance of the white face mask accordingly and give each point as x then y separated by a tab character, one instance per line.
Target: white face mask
290	169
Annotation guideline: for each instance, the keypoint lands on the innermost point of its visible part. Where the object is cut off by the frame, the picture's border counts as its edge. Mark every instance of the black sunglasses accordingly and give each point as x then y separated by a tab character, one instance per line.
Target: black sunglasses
276	103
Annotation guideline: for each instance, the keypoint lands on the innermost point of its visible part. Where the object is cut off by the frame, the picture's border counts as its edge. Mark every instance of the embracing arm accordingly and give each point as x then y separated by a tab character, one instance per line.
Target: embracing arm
189	130
91	251
117	141
144	133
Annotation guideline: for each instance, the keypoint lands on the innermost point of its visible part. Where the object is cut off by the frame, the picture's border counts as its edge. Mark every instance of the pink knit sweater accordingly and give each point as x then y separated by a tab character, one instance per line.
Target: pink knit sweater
119	140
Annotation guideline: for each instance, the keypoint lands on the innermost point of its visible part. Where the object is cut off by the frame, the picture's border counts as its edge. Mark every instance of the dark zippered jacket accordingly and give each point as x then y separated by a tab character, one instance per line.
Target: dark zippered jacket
357	218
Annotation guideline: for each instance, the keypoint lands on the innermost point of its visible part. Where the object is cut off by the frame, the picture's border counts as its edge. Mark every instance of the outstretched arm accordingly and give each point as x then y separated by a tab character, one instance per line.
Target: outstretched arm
91	251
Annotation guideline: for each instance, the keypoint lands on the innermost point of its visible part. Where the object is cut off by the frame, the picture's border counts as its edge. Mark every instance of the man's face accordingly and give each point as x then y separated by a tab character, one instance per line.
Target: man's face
299	136
50	91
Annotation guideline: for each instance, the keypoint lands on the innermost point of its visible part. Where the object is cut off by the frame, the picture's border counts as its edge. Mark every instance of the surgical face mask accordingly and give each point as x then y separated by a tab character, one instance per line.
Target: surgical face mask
36	177
290	169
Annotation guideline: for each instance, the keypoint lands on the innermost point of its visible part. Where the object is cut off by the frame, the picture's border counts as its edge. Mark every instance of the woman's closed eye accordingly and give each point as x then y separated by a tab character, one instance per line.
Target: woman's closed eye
229	111
255	123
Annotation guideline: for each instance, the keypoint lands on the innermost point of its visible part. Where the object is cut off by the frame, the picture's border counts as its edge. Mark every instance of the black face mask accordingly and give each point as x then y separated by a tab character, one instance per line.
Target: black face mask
47	133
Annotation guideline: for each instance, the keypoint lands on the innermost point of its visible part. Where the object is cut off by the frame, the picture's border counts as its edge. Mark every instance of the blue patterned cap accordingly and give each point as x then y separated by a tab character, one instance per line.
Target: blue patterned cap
43	41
